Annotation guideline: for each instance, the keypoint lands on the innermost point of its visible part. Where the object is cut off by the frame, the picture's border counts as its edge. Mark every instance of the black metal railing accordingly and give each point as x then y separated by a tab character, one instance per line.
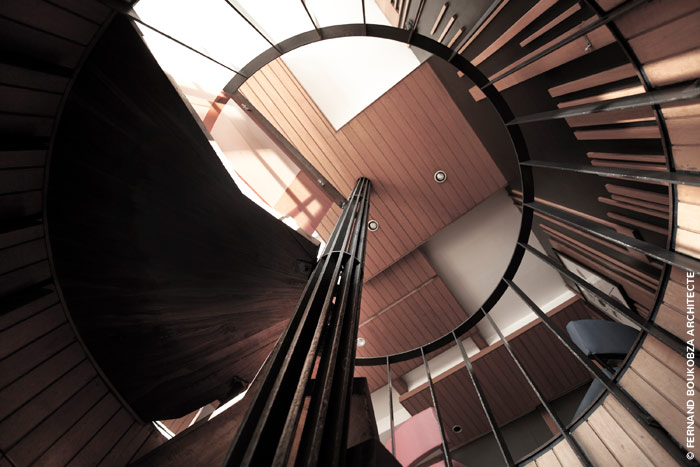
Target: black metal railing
300	406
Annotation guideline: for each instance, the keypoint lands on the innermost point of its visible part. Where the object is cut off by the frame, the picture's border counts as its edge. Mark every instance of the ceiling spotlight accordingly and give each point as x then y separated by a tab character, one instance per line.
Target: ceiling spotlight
361	342
373	225
440	176
457	428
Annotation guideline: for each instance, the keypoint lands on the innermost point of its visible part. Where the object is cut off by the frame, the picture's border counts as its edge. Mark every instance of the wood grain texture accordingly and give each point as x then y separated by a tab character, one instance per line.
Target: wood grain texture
165	257
596	79
398	142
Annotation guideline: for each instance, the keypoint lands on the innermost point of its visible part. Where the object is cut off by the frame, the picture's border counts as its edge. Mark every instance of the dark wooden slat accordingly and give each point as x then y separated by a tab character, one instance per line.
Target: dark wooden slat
28	445
22	361
24	390
68	445
103	441
26	331
127	446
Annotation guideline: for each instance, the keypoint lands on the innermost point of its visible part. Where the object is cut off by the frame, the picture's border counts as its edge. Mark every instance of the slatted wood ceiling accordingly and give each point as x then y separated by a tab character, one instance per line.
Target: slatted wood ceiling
399	141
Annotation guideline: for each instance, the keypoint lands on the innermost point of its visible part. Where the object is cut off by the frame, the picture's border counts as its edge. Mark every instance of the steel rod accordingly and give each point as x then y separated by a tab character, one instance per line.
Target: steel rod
295	410
253	25
445	450
391	408
612	15
482	19
661	254
646	420
415	22
675	93
125	9
659	333
311	18
505	452
321	330
674	178
580	454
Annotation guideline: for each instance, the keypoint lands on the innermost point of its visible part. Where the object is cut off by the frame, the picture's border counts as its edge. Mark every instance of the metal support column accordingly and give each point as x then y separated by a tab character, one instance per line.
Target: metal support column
294	418
391	408
445	450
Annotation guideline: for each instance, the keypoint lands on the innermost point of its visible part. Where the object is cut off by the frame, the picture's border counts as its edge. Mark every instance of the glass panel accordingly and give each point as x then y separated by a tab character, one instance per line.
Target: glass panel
210	26
277	19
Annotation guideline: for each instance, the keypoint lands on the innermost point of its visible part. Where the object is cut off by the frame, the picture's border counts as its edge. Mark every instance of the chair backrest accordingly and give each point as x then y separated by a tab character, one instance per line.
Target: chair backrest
602	338
416	437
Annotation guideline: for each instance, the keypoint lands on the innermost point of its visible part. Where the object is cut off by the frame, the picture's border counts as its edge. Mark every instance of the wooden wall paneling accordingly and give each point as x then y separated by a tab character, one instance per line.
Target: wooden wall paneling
43	436
29	329
42	348
125	448
565	454
70	444
22	391
675	69
639	435
593	446
686	156
671	320
618	442
669	39
548	459
689	216
23	418
688	242
107	436
661	398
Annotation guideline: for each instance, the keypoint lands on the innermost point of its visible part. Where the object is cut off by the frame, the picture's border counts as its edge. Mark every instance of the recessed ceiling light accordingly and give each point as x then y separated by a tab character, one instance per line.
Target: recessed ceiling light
440	176
361	342
457	428
373	225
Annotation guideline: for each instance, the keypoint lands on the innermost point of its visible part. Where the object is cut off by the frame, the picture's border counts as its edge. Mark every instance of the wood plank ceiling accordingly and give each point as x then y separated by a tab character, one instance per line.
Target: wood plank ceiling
399	141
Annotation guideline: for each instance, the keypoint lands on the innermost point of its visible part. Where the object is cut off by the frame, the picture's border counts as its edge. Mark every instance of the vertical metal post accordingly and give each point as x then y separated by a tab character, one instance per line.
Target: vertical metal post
626	401
321	336
572	442
391	408
445	451
485	405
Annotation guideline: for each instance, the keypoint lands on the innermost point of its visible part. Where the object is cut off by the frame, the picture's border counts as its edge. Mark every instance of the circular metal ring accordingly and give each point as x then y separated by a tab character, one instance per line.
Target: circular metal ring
493	96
